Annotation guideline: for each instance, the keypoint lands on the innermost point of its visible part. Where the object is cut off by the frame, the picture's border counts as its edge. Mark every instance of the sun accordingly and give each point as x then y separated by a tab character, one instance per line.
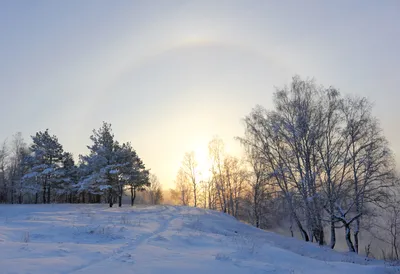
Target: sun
203	163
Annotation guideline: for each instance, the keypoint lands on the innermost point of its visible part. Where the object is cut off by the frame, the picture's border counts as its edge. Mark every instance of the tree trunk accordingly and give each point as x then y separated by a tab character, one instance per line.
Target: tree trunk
356	240
110	198
321	236
195	194
36	198
11	189
231	205
5	193
296	219
134	195
318	230
302	231
357	201
394	246
255	202
44	192
320	227
12	192
205	197
132	200
333	233
48	194
348	238
120	193
209	200
257	218
291	226
333	219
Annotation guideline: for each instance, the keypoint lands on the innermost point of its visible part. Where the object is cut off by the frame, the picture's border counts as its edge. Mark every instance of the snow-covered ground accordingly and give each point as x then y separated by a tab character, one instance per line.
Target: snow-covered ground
155	239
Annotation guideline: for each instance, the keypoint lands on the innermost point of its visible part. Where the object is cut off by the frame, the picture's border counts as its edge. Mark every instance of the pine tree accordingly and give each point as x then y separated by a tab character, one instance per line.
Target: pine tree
45	164
110	167
95	178
134	173
68	178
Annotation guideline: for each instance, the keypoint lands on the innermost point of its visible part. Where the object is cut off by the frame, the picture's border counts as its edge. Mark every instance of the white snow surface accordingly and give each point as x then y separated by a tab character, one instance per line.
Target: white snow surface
156	239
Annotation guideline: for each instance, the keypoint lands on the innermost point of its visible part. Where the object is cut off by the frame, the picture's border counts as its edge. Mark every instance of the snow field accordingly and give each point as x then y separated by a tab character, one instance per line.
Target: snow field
156	239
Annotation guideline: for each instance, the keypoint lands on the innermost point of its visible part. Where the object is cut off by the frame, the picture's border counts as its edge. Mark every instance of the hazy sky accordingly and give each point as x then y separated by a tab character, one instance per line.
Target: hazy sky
169	75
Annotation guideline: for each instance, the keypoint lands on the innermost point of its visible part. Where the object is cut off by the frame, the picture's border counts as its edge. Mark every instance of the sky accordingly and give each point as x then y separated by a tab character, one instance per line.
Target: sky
171	75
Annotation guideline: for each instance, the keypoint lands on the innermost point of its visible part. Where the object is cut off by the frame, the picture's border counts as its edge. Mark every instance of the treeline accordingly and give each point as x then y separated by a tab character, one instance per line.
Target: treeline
318	160
44	173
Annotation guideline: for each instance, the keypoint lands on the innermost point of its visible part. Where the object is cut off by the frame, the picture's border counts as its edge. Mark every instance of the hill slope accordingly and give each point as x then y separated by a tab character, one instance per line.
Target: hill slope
158	239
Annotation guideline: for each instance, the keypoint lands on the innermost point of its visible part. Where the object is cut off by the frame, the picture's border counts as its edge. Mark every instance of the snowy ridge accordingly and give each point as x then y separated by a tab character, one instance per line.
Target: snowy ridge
156	239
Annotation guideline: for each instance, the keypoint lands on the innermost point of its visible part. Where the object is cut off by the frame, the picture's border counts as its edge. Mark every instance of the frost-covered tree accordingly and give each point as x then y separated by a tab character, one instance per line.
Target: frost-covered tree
4	184
191	173
229	176
235	177
110	167
96	168
216	149
67	187
45	165
258	191
183	188
18	167
325	153
154	191
369	161
132	173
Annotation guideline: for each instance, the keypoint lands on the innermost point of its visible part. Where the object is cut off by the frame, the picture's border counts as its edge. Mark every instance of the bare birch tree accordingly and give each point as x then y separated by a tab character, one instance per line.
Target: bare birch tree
189	167
183	188
217	155
324	153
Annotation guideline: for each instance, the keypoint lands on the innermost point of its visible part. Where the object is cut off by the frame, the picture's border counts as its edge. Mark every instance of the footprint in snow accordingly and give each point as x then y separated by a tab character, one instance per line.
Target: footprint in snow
160	238
126	258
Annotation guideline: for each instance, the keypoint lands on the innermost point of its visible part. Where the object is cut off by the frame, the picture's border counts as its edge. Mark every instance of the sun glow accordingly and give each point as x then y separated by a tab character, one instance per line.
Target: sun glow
203	163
